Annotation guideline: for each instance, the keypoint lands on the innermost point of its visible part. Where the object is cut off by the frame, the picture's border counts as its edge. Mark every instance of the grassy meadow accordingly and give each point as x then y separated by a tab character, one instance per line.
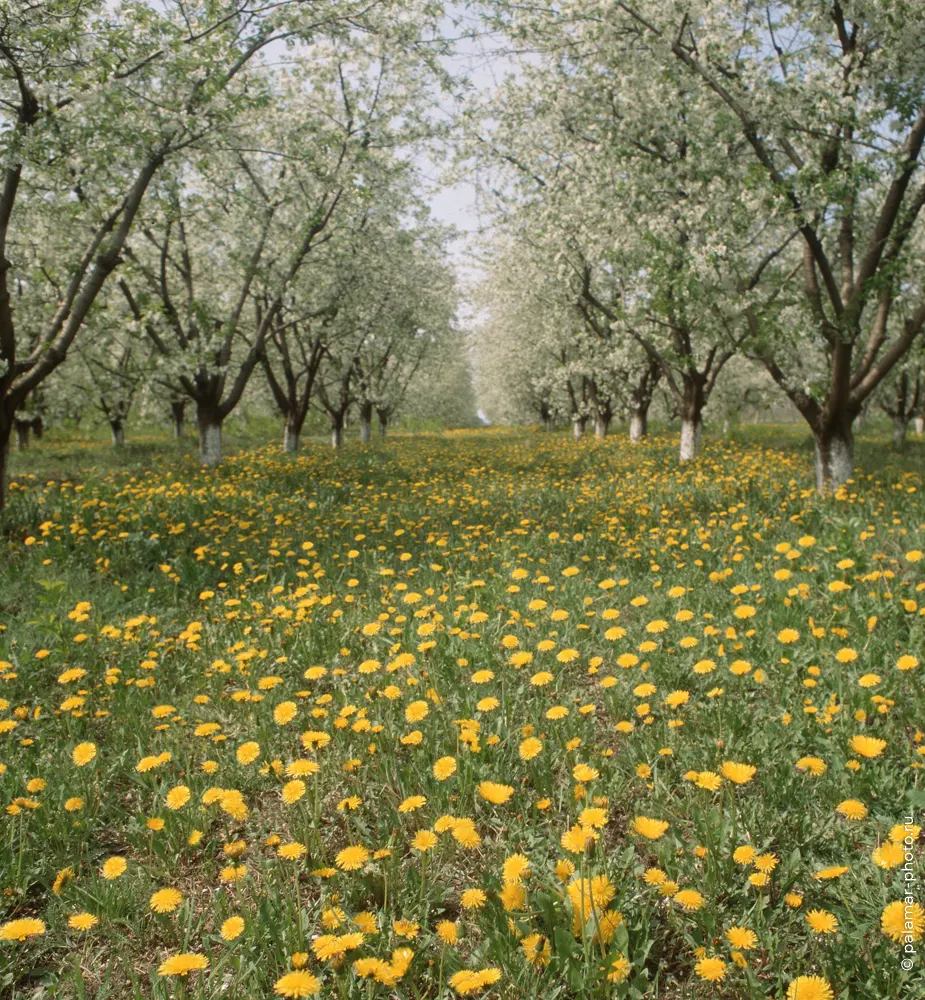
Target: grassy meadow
468	714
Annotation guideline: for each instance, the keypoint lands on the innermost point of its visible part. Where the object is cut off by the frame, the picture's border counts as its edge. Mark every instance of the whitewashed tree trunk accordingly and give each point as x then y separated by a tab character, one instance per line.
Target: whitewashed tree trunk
834	460
920	425
578	428
118	433
290	437
600	428
210	440
383	424
639	425
690	438
899	431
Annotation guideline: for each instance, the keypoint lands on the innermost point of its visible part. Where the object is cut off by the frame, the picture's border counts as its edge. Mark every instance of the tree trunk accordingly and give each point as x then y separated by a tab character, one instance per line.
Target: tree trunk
899	431
210	436
38	427
920	425
118	433
23	430
834	456
600	427
178	409
291	433
578	426
366	422
383	422
337	430
6	430
639	424
690	437
691	417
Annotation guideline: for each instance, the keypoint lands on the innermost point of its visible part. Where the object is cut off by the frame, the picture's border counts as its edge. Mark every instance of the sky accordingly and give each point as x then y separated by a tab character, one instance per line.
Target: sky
457	204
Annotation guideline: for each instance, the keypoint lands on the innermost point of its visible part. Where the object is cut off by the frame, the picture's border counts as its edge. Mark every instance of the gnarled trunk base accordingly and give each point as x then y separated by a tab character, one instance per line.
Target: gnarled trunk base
118	434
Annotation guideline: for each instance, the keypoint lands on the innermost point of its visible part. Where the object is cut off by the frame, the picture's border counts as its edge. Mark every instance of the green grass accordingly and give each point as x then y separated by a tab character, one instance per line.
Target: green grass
452	596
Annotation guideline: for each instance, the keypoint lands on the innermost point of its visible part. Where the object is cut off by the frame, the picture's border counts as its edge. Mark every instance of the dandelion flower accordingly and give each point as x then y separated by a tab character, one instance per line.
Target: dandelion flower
352	858
836	871
232	928
165	900
852	809
888	855
444	768
293	791
822	922
689	899
113	867
738	774
901	921
182	965
742	938
248	752
711	969
446	931
495	793
815	766
867	746
82	921
472	899
810	988
83	753
298	984
651	829
178	797
19	930
424	840
515	869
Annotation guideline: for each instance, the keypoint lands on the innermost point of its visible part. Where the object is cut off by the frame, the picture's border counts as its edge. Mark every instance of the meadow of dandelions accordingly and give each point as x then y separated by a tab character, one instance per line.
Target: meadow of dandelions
471	715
